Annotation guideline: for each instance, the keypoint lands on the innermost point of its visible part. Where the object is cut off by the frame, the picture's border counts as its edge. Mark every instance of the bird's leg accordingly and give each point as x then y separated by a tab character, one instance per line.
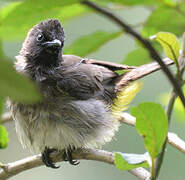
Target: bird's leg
67	156
46	158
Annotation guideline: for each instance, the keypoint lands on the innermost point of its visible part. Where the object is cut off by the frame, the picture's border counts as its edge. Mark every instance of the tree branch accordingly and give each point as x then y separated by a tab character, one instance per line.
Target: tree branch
129	120
14	168
176	142
172	138
145	42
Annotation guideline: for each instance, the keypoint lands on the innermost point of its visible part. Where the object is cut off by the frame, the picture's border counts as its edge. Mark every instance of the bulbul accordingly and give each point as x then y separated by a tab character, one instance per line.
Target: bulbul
80	96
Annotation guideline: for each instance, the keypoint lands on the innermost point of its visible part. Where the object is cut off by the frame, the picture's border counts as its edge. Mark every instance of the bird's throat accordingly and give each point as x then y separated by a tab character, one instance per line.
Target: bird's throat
48	59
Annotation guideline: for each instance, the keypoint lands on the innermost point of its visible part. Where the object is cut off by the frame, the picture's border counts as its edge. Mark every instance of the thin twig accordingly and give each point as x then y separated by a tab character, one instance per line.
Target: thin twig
14	168
176	141
168	112
145	42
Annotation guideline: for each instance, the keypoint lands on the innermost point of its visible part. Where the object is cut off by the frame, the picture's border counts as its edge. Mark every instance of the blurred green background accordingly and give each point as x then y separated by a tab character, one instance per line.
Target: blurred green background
127	139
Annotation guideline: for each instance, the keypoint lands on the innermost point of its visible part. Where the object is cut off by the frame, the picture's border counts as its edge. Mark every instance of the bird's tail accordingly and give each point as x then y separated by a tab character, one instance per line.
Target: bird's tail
139	72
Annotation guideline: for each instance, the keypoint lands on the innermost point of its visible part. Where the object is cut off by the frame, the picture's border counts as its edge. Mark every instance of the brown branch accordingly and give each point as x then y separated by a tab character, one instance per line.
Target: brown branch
14	168
145	42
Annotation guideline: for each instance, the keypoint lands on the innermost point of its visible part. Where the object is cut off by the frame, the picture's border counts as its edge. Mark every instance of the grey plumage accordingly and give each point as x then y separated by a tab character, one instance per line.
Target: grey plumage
77	96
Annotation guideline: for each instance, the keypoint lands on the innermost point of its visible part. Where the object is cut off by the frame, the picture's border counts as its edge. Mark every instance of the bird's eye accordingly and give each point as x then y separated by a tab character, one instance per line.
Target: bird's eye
40	37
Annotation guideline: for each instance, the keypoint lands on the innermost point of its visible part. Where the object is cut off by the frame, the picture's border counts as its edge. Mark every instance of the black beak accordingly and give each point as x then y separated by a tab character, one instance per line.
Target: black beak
54	44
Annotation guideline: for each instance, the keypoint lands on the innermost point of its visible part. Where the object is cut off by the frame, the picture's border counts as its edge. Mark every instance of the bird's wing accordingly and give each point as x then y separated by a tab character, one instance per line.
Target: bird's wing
99	78
134	73
83	80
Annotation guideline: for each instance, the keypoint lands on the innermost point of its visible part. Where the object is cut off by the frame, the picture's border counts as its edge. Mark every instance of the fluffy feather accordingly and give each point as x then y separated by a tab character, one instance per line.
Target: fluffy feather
124	98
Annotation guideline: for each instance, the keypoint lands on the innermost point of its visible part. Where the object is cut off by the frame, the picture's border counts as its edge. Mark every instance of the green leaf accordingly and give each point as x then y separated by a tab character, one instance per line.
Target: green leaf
127	162
90	43
16	86
137	57
3	137
18	17
134	2
170	44
165	18
152	123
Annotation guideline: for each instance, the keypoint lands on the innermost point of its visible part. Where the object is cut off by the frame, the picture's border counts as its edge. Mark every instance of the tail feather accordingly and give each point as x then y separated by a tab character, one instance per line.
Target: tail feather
139	72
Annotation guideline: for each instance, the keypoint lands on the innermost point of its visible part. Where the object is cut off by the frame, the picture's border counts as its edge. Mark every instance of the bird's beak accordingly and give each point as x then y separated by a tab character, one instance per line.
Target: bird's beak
55	43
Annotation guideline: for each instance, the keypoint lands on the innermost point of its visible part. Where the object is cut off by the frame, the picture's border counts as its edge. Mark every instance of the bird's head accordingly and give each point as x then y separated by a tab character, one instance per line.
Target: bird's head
44	42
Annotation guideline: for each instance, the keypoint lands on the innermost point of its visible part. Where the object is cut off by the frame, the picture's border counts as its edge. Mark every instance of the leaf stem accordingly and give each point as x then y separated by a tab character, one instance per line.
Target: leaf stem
153	170
169	109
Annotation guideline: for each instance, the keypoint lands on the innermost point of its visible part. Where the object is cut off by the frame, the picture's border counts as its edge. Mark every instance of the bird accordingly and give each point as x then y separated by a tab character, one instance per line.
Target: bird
82	98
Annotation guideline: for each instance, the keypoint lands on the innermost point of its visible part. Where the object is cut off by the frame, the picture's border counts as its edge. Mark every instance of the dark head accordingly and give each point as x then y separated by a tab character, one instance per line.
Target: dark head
44	42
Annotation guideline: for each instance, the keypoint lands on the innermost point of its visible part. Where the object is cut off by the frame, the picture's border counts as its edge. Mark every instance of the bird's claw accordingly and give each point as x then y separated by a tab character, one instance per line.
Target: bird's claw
67	156
47	160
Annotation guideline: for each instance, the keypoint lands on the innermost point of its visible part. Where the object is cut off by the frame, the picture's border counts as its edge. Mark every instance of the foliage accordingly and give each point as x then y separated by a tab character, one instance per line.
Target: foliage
152	124
27	15
137	57
3	137
131	161
16	86
95	40
162	19
138	2
3	133
170	44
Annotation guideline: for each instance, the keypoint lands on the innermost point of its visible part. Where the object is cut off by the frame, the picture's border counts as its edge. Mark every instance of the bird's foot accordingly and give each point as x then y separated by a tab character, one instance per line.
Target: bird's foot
67	156
46	159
